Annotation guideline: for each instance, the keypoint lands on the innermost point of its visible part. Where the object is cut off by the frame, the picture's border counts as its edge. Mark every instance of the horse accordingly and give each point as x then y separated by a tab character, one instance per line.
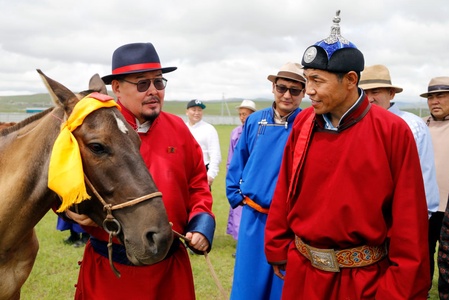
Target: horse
6	124
116	178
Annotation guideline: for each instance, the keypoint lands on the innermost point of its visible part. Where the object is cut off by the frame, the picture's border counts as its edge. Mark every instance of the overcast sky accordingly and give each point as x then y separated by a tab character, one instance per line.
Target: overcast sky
222	48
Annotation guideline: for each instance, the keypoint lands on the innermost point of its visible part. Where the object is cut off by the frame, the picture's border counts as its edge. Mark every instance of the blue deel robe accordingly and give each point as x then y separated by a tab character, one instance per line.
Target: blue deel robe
253	172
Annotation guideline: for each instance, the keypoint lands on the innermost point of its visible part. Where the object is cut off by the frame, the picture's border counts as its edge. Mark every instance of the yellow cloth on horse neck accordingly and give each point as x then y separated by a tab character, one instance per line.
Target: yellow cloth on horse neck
65	174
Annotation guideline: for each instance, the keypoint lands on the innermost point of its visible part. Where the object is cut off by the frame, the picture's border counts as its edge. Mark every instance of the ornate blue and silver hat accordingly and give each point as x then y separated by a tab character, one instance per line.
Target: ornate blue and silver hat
334	54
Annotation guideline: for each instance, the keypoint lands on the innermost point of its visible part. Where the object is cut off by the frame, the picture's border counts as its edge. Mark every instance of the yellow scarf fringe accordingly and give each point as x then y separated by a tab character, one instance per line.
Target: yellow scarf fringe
65	174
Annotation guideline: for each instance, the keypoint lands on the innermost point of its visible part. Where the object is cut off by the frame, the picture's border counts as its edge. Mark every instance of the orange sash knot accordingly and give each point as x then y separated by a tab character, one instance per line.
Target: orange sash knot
255	206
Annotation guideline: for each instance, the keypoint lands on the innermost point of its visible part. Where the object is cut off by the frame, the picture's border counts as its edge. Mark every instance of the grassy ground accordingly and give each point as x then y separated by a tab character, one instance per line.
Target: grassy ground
56	268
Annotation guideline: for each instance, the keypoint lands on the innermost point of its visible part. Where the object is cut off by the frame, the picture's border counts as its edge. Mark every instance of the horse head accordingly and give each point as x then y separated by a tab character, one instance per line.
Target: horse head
117	177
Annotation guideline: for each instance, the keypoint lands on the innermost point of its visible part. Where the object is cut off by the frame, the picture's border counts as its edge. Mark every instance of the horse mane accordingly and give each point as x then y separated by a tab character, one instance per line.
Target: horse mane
17	126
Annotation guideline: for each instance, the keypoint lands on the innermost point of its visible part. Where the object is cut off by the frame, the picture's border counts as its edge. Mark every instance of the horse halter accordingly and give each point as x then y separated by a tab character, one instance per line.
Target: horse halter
110	220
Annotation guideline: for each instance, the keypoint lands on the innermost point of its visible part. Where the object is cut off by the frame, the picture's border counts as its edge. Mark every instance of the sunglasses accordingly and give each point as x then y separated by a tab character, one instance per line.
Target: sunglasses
144	85
283	89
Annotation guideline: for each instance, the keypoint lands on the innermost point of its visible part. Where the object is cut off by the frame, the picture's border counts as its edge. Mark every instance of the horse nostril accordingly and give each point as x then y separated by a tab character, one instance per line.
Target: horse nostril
151	241
150	237
157	242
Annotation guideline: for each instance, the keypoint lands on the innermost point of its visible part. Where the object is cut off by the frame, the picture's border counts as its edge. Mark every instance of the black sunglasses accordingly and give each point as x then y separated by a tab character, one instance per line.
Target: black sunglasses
283	89
144	84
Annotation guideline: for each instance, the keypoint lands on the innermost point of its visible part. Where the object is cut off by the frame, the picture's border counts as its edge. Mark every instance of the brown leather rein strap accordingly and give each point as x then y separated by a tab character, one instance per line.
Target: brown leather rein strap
110	218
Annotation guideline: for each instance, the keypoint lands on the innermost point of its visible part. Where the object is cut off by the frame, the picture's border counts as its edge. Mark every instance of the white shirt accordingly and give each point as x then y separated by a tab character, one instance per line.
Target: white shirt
206	135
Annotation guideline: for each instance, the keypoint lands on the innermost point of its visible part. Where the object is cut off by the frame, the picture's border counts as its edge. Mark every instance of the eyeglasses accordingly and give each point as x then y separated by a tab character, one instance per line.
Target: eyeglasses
144	85
283	89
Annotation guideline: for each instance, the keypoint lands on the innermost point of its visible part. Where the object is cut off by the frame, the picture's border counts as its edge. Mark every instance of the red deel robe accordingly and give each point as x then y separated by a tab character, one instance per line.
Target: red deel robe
174	160
361	185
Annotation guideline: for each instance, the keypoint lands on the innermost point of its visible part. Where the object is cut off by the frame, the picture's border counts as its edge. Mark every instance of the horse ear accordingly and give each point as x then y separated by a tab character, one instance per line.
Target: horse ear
97	84
59	93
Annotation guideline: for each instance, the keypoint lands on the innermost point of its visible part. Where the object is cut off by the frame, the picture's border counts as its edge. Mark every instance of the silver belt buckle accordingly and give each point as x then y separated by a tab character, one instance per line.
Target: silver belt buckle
323	259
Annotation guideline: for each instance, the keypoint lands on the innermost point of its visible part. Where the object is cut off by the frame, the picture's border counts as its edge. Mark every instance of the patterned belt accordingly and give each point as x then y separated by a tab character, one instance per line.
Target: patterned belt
254	205
331	260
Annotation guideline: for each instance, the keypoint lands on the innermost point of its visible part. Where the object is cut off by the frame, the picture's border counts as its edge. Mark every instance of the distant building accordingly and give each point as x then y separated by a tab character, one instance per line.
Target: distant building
33	110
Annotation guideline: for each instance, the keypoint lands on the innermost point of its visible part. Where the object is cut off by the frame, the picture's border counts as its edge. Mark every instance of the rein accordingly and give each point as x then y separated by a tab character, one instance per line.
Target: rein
110	218
209	264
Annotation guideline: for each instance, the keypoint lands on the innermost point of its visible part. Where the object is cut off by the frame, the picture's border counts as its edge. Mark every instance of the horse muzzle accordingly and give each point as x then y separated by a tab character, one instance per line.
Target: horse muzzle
154	247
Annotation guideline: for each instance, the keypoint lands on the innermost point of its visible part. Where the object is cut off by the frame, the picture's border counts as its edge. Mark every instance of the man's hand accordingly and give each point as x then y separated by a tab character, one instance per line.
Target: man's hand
210	180
80	219
278	270
197	241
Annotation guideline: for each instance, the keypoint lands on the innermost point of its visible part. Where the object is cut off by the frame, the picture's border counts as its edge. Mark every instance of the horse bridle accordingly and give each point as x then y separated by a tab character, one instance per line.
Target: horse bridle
109	220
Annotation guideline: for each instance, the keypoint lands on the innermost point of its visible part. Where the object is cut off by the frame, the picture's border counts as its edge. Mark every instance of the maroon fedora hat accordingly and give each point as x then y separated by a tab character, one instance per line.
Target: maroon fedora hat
135	58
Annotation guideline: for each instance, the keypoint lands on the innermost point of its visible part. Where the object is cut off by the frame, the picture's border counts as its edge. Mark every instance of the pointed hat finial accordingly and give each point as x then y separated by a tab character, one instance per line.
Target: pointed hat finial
335	35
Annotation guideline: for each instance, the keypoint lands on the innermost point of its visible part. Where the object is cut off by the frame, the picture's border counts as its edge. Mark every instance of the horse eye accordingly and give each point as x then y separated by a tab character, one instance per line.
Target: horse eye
97	148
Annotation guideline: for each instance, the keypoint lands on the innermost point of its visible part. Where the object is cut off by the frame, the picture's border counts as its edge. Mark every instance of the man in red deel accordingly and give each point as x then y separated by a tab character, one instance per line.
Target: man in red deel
348	218
175	162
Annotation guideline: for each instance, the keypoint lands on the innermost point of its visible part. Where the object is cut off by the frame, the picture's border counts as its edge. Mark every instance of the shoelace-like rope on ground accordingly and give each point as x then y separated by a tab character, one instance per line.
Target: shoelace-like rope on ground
209	264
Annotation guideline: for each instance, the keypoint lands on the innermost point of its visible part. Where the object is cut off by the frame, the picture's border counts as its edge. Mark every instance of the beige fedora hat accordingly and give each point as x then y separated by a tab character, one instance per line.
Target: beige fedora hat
247	104
437	85
377	76
291	71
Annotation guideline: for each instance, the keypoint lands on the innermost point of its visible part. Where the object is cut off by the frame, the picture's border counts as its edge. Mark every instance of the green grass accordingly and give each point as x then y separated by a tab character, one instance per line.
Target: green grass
20	103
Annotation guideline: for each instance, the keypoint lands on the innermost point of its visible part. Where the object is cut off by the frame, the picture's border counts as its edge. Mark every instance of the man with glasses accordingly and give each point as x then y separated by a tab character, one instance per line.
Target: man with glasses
175	161
251	179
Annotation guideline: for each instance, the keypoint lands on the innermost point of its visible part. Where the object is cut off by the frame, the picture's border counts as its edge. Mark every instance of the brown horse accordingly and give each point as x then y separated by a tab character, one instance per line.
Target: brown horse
112	165
6	124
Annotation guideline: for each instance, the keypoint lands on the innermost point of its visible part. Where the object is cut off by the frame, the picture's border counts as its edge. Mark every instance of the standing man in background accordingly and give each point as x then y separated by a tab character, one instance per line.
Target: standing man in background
246	108
437	96
206	135
376	82
251	179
